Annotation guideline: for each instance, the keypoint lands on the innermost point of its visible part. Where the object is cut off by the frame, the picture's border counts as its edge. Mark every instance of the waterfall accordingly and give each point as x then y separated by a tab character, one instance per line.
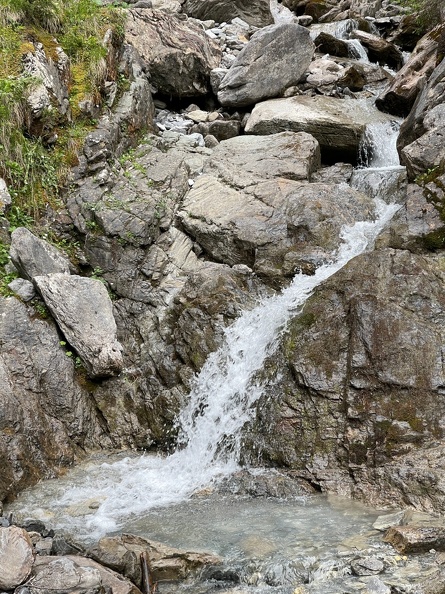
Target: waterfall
222	399
221	402
343	30
378	144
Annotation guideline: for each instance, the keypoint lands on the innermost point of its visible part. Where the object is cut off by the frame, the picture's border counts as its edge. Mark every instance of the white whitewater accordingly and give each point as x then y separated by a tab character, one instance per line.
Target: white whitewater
379	144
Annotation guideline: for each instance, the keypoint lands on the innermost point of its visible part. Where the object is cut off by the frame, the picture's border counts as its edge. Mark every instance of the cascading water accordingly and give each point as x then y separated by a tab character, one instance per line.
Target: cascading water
343	30
220	404
130	492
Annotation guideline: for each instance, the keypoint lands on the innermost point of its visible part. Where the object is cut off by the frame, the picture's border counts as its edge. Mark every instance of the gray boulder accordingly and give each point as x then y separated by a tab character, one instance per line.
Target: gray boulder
276	227
23	289
33	256
178	54
83	310
254	74
337	124
16	557
288	155
76	575
255	13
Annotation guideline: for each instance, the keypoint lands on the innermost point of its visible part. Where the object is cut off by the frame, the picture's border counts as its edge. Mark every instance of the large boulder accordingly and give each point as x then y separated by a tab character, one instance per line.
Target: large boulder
16	557
254	75
337	124
84	312
288	155
33	256
178	54
380	50
399	97
276	228
255	13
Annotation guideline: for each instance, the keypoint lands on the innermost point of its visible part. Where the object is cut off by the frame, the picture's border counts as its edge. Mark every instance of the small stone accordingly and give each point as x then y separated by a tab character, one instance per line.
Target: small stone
210	141
22	288
367	566
44	546
32	525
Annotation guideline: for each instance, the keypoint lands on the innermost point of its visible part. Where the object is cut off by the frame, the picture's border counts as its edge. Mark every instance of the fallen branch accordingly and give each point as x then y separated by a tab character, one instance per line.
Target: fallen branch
147	579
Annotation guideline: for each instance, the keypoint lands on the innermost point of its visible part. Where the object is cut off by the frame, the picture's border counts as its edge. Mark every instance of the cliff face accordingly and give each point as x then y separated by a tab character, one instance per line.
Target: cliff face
190	225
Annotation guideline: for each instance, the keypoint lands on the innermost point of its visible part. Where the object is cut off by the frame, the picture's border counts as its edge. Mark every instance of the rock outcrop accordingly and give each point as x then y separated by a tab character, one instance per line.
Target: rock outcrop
420	141
371	401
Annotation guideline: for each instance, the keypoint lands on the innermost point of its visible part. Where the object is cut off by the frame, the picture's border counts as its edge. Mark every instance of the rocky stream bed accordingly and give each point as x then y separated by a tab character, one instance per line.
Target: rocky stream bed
252	143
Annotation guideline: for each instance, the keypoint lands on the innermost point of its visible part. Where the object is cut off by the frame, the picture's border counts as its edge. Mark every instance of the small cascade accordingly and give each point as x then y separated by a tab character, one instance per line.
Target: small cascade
343	30
378	147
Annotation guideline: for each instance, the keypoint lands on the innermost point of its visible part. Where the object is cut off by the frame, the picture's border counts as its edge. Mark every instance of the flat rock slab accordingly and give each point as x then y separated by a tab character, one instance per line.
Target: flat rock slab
412	539
83	310
337	124
254	75
16	557
245	160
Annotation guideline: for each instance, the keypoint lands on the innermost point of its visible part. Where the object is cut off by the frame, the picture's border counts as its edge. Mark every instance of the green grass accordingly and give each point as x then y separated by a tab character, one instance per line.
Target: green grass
34	172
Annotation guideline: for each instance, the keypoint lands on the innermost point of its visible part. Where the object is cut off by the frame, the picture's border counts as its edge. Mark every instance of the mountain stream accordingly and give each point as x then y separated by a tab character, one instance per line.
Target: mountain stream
151	495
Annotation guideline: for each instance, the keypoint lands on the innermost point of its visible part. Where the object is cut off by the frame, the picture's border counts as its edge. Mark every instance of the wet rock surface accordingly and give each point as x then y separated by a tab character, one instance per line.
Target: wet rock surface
199	222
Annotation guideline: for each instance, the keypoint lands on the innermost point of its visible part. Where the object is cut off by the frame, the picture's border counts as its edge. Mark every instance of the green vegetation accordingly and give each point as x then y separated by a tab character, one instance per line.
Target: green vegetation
429	11
35	159
33	171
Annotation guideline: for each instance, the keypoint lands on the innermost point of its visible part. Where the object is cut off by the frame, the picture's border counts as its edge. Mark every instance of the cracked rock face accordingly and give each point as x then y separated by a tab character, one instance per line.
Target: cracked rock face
84	313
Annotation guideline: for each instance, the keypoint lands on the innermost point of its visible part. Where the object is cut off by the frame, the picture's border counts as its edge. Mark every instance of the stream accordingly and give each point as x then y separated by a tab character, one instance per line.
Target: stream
272	543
